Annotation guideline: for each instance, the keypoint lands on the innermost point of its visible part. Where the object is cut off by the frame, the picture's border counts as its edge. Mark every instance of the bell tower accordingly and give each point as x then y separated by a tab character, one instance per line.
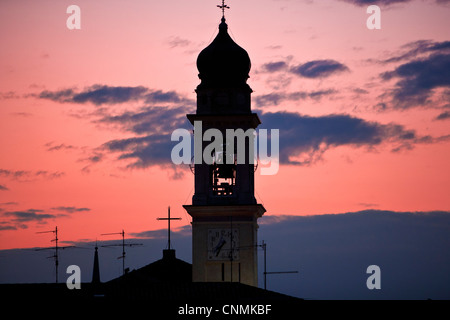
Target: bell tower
224	209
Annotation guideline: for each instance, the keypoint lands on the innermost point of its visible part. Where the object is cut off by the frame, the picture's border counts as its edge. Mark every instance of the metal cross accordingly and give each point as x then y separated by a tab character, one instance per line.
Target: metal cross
168	222
223	7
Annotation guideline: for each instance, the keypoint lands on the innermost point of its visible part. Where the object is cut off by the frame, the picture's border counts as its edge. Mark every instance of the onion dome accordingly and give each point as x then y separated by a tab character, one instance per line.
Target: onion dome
223	62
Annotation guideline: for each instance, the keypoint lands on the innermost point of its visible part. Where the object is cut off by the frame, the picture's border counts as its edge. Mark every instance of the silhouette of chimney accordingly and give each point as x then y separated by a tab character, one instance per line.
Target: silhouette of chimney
168	254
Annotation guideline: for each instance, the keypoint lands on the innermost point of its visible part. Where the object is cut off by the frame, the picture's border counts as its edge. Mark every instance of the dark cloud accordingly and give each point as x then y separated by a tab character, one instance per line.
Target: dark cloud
52	147
443	116
151	127
21	218
104	94
416	48
27	175
308	138
417	79
101	94
160	96
96	157
162	233
151	234
154	126
359	91
275	98
5	226
409	145
274	66
59	96
3	188
157	120
303	139
28	215
145	151
319	68
70	209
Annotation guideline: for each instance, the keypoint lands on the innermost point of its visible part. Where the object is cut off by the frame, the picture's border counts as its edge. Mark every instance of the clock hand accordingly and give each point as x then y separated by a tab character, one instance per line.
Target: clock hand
219	246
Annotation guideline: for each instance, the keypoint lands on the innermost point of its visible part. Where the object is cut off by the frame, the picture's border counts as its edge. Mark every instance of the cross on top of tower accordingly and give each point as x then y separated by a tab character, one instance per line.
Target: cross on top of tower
168	226
223	7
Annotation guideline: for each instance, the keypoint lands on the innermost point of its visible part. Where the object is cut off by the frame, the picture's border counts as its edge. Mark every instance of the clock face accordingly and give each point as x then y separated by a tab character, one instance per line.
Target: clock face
223	244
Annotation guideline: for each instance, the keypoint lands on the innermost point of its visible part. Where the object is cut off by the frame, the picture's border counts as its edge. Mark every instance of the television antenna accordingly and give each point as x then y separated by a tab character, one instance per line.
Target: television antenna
55	256
123	245
264	247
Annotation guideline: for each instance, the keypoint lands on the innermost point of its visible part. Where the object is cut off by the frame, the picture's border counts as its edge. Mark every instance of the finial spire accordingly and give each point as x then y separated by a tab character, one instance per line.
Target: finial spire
223	7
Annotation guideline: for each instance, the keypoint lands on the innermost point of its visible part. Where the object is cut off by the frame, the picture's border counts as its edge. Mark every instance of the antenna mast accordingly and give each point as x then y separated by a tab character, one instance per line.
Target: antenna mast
123	246
264	247
56	247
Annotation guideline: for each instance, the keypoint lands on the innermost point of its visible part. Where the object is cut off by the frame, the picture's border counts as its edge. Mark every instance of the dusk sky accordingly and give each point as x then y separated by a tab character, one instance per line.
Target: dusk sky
86	115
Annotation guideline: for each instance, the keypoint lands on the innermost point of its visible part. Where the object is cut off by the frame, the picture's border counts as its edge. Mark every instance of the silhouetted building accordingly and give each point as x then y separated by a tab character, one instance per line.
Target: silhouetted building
224	209
169	269
224	214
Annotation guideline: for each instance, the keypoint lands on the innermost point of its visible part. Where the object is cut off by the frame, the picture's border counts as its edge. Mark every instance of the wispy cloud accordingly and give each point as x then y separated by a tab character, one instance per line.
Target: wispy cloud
176	41
276	98
414	49
28	175
104	94
154	120
20	219
162	233
70	209
51	146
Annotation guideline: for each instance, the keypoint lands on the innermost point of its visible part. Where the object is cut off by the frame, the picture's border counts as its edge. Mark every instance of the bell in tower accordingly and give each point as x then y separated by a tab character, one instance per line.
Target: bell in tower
224	209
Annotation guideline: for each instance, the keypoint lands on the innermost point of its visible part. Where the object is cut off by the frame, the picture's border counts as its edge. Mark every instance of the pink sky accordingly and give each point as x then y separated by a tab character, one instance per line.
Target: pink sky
45	145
